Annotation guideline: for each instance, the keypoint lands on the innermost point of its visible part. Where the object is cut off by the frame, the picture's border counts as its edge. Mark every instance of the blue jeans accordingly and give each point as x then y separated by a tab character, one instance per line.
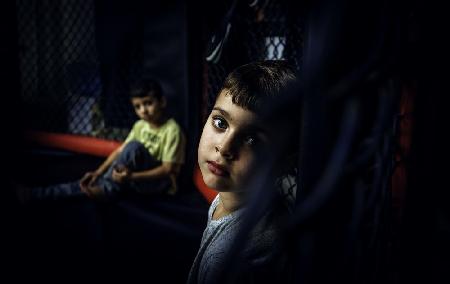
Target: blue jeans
134	156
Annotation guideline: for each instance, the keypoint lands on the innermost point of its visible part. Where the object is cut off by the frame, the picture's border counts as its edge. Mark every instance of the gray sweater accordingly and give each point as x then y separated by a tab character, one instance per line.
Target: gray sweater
263	260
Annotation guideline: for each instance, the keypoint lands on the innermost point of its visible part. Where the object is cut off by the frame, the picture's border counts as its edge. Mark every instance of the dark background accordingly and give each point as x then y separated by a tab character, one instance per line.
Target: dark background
155	240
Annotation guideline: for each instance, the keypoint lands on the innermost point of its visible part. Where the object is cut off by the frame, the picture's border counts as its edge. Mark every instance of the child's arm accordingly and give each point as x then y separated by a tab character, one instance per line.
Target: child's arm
173	154
90	177
105	165
167	169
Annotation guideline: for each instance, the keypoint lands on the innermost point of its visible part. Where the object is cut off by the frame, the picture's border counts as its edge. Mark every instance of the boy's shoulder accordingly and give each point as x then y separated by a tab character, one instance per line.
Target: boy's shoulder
139	123
171	122
171	125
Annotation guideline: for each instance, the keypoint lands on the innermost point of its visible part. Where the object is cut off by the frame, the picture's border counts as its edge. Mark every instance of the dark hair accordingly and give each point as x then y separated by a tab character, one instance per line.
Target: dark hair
267	87
146	87
259	82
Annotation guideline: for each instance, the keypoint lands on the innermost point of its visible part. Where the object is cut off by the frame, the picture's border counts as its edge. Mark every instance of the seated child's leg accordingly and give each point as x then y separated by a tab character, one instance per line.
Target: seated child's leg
134	156
57	192
137	158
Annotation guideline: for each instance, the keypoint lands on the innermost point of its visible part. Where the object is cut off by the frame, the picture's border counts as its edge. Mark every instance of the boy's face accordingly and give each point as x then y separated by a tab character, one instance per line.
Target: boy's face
148	108
232	138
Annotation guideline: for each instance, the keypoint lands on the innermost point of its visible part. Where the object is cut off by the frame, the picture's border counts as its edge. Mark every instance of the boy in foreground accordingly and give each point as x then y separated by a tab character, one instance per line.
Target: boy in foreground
235	135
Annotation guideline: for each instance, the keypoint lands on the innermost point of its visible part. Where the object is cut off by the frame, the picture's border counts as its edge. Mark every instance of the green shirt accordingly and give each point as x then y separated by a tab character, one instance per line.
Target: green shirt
165	144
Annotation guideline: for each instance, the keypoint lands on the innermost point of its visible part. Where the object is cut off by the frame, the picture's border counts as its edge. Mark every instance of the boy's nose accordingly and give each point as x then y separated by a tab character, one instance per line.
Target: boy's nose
226	149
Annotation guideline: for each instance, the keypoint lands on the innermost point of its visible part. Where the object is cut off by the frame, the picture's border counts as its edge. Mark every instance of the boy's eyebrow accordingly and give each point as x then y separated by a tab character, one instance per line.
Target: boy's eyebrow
223	112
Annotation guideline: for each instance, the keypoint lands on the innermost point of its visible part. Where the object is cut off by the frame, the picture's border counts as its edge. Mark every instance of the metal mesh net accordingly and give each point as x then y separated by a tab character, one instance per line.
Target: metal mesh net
63	85
60	71
263	30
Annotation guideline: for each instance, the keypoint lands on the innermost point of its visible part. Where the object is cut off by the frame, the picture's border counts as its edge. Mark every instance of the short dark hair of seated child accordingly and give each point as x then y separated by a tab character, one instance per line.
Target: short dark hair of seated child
146	87
236	134
148	161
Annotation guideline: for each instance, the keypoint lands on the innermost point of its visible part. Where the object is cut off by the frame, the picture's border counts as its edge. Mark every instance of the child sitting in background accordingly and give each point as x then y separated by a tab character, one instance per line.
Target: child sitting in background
147	162
235	134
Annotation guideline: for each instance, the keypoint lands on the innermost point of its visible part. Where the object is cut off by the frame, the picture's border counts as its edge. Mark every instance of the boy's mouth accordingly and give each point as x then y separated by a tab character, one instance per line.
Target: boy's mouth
217	169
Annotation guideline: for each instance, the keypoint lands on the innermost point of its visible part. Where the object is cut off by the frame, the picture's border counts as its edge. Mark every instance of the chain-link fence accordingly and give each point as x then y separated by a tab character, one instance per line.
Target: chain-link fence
67	88
61	86
251	31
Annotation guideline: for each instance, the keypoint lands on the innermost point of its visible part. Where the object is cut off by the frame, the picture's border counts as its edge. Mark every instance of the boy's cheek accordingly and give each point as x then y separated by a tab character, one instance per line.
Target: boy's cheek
206	140
203	151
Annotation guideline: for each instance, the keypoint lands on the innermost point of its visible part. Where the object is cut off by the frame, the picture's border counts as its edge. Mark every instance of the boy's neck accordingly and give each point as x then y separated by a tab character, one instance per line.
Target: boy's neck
231	201
158	122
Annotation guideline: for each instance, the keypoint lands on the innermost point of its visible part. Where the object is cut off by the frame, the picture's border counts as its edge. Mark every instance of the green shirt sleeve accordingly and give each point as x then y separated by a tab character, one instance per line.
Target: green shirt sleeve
174	148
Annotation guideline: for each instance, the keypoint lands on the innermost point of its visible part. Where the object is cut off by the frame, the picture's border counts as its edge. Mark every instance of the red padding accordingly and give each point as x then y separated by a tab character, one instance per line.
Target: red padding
75	143
207	192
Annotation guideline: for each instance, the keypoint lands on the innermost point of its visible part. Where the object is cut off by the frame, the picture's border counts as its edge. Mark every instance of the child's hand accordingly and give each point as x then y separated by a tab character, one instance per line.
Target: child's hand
88	180
121	174
95	192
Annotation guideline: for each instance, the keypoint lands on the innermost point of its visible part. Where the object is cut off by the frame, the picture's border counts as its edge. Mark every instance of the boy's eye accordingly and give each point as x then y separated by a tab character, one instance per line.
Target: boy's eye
219	123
